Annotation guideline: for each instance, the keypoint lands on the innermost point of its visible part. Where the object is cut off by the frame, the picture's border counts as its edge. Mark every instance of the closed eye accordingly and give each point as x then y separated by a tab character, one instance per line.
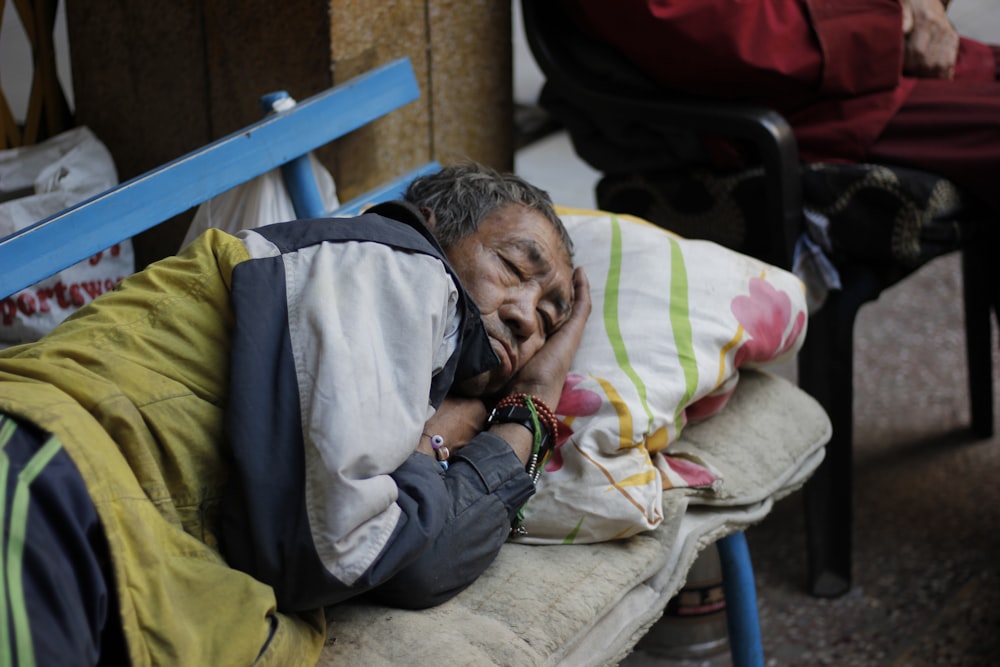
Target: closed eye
548	327
513	268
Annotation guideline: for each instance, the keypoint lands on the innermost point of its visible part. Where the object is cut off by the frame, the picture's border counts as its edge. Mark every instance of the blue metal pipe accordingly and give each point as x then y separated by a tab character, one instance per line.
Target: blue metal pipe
741	601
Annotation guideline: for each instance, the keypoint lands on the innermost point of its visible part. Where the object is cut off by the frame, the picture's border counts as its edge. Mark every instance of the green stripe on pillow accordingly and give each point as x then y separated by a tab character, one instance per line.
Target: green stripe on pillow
611	323
680	321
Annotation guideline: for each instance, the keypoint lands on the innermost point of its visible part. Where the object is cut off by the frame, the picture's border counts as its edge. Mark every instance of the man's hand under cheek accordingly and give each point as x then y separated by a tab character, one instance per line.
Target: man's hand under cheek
457	421
544	374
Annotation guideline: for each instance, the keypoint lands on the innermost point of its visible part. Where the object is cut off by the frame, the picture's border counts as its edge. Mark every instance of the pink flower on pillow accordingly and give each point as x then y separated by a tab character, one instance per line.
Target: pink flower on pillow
694	475
707	406
572	403
765	314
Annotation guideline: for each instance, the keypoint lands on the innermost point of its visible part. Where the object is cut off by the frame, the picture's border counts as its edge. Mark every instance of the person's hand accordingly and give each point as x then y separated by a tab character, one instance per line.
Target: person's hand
930	41
543	376
457	420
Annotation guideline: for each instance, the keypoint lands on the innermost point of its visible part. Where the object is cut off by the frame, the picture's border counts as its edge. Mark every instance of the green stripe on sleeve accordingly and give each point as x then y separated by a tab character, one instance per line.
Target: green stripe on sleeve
15	549
6	655
7	427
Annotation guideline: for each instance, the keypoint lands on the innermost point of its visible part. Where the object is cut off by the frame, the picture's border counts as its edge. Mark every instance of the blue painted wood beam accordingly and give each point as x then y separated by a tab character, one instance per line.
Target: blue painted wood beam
392	190
72	235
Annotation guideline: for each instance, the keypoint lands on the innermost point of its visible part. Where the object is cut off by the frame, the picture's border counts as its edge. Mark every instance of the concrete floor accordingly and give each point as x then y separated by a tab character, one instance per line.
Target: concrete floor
926	535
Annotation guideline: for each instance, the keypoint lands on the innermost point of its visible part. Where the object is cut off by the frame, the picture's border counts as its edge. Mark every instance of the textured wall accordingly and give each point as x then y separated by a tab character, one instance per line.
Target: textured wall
471	69
155	80
363	35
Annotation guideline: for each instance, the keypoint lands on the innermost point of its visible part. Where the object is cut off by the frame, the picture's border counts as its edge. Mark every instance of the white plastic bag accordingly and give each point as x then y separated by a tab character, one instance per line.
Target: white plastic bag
36	182
260	201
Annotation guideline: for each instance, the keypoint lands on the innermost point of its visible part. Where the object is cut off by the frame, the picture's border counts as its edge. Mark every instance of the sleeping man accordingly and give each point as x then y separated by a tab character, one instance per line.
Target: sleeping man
199	462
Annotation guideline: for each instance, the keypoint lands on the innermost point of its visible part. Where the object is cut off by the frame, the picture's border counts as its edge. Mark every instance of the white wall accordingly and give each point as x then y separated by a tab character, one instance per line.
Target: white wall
978	19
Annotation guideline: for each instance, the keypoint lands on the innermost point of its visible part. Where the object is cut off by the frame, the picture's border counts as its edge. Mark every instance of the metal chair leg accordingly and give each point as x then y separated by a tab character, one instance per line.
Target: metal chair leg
976	288
825	372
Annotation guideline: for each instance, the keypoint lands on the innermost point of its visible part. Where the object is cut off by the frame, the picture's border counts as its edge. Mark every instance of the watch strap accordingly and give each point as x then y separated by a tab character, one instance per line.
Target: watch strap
512	414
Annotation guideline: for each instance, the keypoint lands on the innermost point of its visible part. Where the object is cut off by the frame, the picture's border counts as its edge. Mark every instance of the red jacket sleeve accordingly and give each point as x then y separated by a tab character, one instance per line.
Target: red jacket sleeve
861	43
756	48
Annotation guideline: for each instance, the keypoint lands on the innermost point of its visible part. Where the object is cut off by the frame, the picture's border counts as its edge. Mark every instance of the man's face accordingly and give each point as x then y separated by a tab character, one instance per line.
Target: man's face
518	272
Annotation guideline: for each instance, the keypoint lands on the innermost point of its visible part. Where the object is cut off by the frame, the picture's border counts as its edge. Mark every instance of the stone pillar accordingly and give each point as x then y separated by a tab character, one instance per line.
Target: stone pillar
156	80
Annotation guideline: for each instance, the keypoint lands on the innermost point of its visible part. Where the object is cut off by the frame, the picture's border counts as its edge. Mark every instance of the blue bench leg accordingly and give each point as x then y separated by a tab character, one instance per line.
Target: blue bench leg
297	173
741	601
301	183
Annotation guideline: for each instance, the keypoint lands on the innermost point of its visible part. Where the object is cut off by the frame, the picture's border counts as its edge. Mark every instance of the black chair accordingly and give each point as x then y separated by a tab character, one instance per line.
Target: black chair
659	154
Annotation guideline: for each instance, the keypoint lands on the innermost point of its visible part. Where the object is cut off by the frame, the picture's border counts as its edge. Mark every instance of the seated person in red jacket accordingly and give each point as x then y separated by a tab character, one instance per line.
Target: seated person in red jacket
883	81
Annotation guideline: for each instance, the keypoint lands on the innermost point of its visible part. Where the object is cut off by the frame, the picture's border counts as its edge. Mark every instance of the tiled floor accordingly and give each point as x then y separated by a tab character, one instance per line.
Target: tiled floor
926	500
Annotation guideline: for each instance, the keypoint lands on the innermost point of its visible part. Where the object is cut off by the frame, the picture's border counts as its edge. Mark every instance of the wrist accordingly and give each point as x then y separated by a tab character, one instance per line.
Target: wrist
435	446
536	418
530	417
517	438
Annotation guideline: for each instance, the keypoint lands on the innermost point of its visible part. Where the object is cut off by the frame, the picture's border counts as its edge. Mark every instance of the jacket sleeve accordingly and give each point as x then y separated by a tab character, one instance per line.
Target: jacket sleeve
486	487
334	349
758	48
364	369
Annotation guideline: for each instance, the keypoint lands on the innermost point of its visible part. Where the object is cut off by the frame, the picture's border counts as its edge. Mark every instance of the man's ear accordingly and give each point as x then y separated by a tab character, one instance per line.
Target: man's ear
429	216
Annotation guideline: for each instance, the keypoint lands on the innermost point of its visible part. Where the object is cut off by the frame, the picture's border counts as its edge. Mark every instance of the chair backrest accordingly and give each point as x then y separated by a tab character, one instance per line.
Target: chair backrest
596	86
281	138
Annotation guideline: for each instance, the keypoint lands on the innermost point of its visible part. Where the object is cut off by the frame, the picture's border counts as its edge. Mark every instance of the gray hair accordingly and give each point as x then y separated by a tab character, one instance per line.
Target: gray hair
461	195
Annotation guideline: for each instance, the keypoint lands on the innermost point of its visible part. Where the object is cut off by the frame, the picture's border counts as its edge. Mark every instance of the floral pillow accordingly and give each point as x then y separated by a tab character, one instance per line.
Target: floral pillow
673	321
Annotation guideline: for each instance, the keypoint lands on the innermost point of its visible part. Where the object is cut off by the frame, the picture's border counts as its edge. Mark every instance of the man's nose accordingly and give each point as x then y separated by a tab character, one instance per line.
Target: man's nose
519	313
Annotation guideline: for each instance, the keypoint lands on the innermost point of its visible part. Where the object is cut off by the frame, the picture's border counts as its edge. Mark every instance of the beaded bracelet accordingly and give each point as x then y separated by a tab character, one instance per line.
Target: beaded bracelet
541	416
544	427
441	453
537	407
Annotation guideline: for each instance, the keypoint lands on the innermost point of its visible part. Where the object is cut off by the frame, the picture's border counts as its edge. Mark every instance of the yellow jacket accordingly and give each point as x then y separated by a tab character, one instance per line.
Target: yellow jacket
126	407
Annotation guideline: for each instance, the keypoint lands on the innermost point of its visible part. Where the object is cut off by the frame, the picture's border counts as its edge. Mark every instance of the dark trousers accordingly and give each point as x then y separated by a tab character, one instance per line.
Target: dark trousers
56	588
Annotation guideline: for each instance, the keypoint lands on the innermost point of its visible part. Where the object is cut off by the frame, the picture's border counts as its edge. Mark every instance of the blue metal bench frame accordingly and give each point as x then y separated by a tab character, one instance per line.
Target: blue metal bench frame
134	206
284	139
